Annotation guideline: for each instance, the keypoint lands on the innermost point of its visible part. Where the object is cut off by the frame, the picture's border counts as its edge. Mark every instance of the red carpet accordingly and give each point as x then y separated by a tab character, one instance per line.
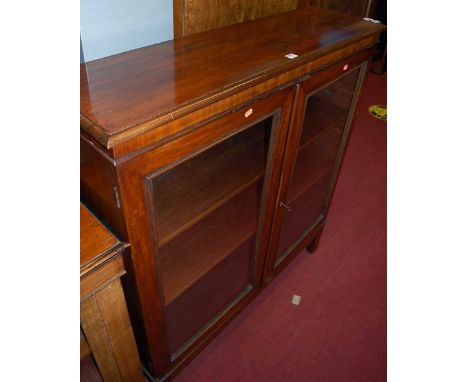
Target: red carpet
338	332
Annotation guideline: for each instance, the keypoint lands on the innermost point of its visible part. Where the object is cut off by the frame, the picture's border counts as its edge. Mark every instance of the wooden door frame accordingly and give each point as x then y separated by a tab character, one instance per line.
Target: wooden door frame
135	199
308	86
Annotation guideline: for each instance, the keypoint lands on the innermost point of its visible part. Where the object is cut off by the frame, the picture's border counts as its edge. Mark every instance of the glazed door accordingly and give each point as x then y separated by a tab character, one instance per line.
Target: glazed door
315	145
207	214
205	199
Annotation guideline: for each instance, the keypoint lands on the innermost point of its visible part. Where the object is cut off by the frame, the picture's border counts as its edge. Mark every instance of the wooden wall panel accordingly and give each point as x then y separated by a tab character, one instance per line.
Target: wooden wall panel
194	16
358	8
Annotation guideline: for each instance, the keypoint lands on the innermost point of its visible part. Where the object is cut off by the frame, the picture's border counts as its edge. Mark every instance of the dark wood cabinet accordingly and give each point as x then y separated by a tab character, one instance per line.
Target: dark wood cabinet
215	156
358	8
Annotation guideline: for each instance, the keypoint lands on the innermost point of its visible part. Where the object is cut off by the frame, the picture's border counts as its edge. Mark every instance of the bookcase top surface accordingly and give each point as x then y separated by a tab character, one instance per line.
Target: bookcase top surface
121	92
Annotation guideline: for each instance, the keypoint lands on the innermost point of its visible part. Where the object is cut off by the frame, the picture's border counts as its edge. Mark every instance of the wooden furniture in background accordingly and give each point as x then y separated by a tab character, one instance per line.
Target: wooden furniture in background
379	64
358	8
375	9
216	156
106	332
195	16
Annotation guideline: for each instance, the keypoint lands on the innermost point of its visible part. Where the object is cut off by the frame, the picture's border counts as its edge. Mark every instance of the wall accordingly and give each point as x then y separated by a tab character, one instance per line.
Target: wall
81	52
113	26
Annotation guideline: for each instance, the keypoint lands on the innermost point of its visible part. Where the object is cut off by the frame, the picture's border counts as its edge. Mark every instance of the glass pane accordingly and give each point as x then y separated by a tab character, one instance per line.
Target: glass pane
206	217
324	123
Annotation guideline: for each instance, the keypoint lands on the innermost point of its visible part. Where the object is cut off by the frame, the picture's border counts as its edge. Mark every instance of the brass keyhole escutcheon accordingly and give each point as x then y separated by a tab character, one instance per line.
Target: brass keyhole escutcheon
285	206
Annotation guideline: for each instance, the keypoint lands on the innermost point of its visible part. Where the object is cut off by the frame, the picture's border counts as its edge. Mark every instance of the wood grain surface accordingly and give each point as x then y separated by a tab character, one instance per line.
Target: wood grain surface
106	325
94	237
121	92
195	16
358	8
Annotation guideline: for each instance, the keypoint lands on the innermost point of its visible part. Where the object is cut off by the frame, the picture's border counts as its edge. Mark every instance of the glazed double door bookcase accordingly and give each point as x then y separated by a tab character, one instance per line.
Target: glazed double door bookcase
220	210
215	157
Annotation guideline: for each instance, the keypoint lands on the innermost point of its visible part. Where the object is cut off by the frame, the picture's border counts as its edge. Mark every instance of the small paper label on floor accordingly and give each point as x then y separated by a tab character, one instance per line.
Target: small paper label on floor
296	300
372	20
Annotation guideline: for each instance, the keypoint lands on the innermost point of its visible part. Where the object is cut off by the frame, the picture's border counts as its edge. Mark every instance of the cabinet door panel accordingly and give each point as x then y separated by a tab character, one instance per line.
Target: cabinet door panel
201	239
316	146
207	213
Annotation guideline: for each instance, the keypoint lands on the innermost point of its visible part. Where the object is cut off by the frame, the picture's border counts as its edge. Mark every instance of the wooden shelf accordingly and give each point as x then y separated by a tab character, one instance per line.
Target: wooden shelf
194	189
313	161
320	115
304	214
217	289
191	255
